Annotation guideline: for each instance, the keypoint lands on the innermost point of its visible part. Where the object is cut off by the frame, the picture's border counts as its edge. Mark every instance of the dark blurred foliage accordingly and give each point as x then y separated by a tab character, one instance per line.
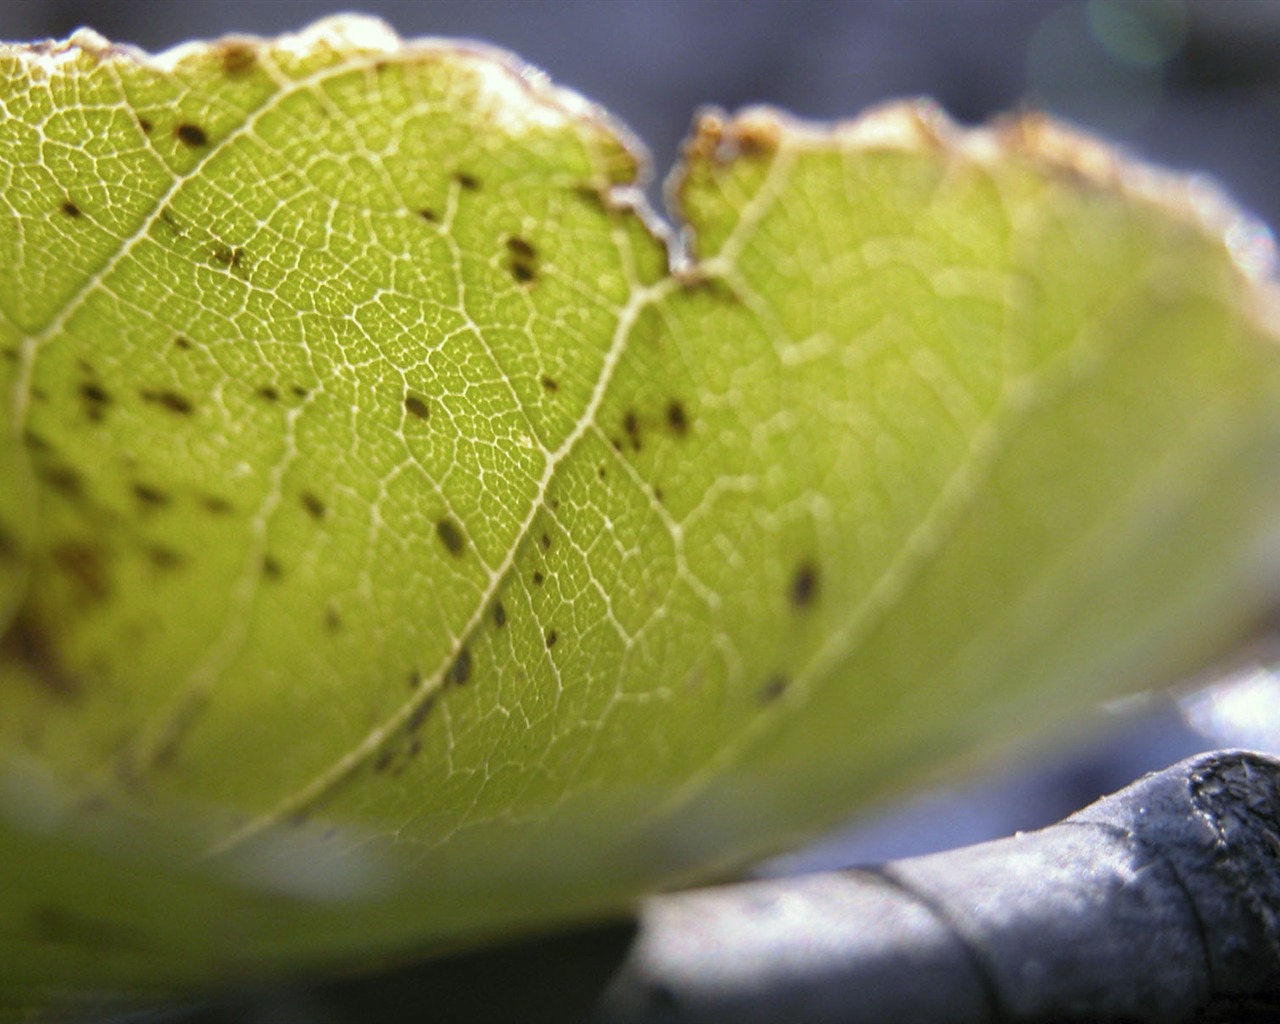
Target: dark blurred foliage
1194	85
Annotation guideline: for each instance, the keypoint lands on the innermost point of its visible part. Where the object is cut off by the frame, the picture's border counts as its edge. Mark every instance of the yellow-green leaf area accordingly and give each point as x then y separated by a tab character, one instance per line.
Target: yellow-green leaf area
306	382
418	544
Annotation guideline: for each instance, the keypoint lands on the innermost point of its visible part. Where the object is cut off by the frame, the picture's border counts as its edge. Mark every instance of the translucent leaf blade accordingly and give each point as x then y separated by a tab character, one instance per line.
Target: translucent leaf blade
415	551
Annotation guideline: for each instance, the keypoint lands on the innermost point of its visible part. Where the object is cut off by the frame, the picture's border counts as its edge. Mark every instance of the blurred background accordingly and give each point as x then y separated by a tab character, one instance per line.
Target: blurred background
1191	84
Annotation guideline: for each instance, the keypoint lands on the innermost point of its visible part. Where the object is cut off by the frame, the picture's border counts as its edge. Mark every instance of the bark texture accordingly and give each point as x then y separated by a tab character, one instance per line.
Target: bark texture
1149	905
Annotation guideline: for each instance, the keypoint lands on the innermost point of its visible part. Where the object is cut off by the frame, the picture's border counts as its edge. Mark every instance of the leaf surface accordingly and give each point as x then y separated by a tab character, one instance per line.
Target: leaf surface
398	544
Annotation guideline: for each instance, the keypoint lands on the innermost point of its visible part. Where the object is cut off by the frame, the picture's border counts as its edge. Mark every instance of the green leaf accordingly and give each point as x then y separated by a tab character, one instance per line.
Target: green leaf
399	546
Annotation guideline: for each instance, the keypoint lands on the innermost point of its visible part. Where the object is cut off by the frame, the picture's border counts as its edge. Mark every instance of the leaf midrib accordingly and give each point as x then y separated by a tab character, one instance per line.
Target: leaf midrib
641	298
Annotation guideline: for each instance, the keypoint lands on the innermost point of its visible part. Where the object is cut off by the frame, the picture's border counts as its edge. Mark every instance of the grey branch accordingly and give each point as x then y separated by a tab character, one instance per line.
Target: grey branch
1145	906
1159	903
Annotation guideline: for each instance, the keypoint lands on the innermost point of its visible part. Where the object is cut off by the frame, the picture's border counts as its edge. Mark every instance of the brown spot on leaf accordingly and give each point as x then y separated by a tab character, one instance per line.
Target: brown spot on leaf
181	342
416	406
428	214
537	579
545	541
231	257
696	281
70	209
499	614
804	585
34	441
601	472
163	558
467	182
451	536
384	760
271	568
550	384
64	479
522	259
268	394
419	714
191	135
237	58
218	506
714	142
332	619
551	638
708	131
590	194
631	424
168	219
298	391
145	125
314	506
774	687
170	400
85	566
677	419
756	135
521	248
150	496
28	642
460	672
94	399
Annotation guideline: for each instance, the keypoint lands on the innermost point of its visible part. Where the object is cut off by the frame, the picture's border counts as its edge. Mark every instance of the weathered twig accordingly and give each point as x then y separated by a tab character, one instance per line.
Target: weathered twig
1145	906
1154	904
